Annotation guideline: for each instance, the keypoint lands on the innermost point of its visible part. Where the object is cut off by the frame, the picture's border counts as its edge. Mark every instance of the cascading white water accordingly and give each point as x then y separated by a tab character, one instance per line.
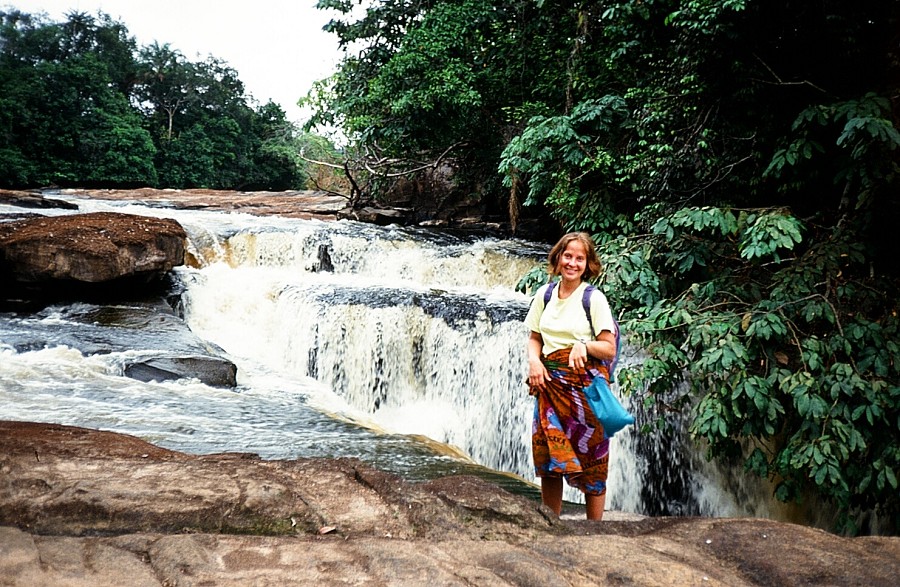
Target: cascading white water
408	332
421	338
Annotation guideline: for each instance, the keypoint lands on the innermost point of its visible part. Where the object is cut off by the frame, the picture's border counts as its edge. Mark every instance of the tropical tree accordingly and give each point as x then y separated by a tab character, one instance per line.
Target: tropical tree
276	152
436	86
165	87
65	116
80	105
206	130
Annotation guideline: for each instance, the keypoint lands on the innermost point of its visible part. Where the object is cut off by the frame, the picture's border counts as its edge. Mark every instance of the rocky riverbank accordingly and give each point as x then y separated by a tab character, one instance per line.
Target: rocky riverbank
83	507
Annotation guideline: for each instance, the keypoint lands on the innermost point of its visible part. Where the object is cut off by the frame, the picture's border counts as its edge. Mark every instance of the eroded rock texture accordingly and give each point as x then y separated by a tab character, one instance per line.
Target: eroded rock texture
82	507
90	248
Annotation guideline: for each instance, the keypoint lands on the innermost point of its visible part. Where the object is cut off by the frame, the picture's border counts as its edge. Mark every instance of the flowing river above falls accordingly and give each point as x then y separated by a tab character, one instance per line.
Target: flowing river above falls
402	347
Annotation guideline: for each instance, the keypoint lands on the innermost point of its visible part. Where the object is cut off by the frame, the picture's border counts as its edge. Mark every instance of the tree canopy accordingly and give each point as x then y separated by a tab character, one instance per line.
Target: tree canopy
82	105
737	162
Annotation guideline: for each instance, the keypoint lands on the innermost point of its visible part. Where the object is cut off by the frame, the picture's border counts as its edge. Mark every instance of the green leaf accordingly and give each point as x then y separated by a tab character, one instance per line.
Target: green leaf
803	404
891	477
820	473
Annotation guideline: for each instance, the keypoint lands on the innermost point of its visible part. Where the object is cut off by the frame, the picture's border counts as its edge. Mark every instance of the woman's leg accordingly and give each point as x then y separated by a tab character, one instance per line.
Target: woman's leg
551	493
594	505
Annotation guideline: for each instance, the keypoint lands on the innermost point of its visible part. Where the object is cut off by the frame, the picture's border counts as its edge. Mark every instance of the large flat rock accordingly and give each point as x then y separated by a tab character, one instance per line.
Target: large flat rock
30	199
92	248
83	507
304	204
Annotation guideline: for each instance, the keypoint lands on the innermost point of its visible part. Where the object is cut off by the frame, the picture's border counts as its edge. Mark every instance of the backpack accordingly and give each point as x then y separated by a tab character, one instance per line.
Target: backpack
586	304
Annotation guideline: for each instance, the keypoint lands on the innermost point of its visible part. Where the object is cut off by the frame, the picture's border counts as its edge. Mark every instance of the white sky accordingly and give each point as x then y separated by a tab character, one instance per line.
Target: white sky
278	47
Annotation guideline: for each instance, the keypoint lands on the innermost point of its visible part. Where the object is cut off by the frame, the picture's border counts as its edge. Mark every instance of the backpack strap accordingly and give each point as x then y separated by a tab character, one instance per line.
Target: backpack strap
548	292
612	363
586	304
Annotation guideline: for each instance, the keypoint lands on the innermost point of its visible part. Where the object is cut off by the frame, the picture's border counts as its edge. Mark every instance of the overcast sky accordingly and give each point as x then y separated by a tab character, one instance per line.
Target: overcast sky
278	47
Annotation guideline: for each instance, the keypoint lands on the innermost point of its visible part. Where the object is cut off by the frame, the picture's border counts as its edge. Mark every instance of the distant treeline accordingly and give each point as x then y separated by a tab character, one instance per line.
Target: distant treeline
81	104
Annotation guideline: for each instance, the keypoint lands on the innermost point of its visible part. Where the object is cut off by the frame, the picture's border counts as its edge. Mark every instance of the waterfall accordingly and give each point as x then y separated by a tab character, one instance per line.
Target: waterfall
420	336
382	342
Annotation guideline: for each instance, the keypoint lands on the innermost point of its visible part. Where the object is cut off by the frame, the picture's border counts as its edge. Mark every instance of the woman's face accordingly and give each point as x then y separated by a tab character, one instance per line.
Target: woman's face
572	262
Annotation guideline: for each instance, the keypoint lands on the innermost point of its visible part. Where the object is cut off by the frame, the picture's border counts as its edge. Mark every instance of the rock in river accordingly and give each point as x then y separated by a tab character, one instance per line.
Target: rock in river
88	248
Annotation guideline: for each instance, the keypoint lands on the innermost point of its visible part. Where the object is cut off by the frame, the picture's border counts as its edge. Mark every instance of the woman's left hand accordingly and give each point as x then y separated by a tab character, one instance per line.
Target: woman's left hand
578	356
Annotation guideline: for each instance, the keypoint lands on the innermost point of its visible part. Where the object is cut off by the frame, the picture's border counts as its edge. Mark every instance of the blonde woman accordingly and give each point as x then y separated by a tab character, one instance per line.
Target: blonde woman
566	351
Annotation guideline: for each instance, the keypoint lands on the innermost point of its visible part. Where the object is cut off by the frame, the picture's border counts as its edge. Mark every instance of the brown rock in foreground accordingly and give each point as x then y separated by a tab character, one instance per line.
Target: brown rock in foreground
63	480
81	507
89	248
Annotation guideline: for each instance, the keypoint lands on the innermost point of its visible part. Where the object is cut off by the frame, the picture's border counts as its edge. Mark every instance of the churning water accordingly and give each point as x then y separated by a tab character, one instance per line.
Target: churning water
402	347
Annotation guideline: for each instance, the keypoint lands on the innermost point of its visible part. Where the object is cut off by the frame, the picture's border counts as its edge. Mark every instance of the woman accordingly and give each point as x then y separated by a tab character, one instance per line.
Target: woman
565	351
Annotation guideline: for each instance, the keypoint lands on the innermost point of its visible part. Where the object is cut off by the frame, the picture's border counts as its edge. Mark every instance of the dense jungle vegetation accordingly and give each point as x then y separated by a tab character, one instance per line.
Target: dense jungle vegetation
737	162
82	105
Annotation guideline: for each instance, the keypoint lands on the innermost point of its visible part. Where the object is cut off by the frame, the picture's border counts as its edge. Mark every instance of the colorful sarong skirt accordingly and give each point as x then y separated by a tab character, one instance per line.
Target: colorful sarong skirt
567	440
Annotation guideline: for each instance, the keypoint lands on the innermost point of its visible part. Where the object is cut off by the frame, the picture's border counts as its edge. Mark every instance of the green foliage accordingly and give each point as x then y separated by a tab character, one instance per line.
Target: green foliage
117	150
81	105
532	280
745	208
796	356
767	234
867	138
553	152
64	111
442	80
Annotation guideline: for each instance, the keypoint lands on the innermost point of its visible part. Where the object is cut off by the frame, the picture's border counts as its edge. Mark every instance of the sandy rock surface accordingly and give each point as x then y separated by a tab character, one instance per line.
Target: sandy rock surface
293	204
82	507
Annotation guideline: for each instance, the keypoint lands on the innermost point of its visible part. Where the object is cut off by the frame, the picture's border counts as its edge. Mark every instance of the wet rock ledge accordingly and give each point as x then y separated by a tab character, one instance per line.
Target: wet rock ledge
84	507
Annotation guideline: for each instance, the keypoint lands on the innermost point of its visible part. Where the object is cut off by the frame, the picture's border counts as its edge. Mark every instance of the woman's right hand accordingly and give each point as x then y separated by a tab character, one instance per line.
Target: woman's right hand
537	374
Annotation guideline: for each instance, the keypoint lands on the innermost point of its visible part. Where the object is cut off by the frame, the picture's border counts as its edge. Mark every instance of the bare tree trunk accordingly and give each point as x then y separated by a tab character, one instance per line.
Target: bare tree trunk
171	113
514	204
355	192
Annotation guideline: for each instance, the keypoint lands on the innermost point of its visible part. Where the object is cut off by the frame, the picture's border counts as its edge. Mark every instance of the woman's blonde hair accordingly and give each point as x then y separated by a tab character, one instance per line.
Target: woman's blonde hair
592	267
